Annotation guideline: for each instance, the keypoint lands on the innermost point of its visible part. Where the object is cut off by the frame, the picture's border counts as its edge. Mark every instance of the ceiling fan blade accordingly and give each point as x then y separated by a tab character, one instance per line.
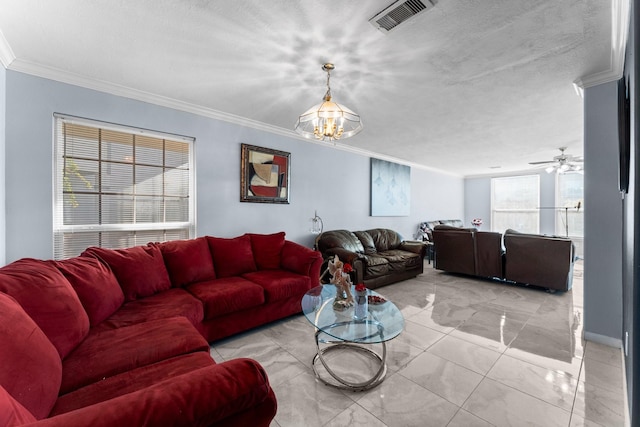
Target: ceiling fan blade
547	162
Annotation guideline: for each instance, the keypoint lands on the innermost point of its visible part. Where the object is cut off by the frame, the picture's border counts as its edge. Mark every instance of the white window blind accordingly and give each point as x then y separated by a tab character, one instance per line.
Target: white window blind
117	186
514	203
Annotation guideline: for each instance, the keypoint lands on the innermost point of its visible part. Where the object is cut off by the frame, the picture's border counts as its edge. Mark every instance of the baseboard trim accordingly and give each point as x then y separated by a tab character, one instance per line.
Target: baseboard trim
627	415
603	339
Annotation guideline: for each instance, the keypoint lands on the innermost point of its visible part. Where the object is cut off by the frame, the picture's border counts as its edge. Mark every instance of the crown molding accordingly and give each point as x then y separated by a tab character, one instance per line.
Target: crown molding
163	101
6	53
128	92
620	16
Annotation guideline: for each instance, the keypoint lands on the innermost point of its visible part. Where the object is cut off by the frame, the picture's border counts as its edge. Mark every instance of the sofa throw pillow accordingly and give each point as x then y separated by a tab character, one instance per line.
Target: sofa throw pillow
12	413
188	261
32	370
48	298
232	257
140	270
267	250
95	284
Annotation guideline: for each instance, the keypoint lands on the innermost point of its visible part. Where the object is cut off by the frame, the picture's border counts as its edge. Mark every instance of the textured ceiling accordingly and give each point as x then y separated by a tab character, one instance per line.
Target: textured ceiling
464	87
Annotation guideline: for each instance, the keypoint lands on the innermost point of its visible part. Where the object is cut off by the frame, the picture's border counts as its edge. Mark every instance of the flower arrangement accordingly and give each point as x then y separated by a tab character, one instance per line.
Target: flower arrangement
360	287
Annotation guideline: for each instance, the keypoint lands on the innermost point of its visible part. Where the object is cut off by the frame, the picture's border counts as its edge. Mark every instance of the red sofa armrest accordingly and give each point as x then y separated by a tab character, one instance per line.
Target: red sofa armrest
215	395
301	260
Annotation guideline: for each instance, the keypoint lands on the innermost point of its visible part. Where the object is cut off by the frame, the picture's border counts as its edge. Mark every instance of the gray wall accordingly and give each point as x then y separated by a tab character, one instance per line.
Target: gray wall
334	182
477	199
602	217
631	221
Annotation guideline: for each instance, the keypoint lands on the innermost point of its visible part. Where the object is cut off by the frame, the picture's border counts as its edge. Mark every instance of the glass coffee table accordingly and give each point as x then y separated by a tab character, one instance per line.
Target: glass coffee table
341	331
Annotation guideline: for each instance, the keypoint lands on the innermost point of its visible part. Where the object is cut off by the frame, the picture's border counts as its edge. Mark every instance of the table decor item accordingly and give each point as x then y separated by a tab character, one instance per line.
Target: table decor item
341	279
361	308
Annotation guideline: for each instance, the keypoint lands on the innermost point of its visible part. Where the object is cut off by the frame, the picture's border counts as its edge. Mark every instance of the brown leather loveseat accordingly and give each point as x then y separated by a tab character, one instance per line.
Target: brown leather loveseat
378	256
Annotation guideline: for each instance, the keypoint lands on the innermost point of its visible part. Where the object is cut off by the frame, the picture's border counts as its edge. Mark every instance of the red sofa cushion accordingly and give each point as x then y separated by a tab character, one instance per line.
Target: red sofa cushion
280	284
188	261
31	368
95	284
171	303
130	381
267	249
107	353
211	396
48	298
232	257
12	413
223	296
140	270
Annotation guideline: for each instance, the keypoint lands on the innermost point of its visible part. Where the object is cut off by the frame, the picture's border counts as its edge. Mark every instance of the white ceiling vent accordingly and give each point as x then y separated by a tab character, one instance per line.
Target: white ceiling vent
399	12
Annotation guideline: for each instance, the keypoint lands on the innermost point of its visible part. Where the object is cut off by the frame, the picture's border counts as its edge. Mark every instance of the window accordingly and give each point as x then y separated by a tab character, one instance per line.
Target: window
117	187
514	203
569	196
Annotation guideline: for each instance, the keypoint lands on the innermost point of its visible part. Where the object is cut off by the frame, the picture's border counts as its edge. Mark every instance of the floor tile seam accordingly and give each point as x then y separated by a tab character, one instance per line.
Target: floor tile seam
573	393
617	366
460	365
540	365
469	397
479	345
598	387
434	392
466	410
536	397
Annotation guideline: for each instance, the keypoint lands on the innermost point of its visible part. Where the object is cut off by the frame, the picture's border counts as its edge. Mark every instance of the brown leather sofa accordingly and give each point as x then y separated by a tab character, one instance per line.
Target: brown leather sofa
532	259
468	251
545	261
378	256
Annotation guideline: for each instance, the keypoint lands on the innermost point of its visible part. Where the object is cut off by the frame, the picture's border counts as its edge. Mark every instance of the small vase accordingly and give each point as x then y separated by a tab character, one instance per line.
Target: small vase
362	306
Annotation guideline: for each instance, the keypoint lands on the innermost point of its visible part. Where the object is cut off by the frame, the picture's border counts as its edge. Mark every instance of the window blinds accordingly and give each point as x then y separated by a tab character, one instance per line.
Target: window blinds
118	187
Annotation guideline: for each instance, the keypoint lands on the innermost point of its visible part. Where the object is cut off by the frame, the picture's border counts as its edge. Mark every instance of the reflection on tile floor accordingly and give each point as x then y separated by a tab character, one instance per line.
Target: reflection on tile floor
473	353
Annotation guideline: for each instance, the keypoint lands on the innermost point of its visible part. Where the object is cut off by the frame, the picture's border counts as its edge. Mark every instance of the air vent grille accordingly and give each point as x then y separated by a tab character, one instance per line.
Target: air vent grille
396	14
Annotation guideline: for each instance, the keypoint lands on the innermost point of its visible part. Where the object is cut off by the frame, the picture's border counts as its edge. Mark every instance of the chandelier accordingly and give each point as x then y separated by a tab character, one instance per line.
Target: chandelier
328	121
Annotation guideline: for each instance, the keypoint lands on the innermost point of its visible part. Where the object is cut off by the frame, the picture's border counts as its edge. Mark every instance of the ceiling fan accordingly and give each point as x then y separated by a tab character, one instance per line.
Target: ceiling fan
562	163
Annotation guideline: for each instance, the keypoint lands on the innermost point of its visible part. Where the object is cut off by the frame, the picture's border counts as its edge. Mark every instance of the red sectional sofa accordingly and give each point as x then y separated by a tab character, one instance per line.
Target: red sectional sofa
121	337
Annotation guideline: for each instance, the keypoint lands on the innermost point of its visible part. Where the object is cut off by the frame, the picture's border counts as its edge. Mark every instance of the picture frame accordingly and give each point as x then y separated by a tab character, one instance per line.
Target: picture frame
264	175
390	188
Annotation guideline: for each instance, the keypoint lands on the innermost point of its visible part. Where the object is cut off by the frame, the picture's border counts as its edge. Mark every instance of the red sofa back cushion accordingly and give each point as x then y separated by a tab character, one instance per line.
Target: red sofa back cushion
188	261
31	370
95	284
48	298
232	257
140	270
267	250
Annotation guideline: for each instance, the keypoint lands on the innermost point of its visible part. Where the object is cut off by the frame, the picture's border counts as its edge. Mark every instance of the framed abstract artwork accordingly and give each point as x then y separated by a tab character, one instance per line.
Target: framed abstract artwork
390	188
264	175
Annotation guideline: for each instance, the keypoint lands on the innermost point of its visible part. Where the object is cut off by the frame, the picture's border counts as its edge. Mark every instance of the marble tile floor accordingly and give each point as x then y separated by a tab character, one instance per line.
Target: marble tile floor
473	353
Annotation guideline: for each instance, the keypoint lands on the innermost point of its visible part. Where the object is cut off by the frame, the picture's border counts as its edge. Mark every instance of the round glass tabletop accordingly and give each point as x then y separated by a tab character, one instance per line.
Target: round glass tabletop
383	321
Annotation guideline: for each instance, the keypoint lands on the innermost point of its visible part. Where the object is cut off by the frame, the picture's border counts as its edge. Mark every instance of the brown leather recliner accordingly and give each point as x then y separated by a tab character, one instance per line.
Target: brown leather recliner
468	251
378	256
545	261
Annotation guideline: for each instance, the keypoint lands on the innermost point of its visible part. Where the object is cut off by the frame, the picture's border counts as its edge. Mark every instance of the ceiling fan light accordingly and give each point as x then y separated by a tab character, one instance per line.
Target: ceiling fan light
550	169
